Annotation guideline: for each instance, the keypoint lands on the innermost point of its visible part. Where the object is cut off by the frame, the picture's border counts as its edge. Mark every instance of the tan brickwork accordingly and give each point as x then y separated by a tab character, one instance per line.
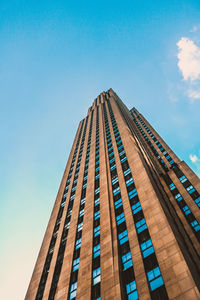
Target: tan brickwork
173	258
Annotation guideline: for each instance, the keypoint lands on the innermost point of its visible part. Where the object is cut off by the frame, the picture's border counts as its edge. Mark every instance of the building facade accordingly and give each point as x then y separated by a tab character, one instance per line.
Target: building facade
125	224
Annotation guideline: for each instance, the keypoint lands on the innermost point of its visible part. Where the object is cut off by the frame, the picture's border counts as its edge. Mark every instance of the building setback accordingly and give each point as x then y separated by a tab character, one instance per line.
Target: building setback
125	224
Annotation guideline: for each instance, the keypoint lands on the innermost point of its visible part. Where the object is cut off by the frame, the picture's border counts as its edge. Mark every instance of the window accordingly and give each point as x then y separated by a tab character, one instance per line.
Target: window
97	190
141	225
80	227
96	275
97	201
132	193
132	291
127	260
147	248
65	195
113	167
97	215
67	225
186	210
111	154
123	237
197	201
115	180
62	204
129	181
82	201
69	213
123	159
84	186
118	203
116	191
183	179
76	264
73	290
97	231
78	243
195	225
155	278
81	213
178	197
136	208
172	186
121	153
120	219
120	147
127	172
96	250
190	189
112	160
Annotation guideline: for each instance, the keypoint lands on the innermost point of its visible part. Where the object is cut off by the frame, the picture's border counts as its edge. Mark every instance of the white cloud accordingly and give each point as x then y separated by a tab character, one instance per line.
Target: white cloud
188	59
193	158
194	95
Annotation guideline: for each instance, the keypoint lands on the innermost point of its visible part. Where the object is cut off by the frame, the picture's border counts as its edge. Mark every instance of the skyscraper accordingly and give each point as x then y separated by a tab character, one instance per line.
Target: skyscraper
125	224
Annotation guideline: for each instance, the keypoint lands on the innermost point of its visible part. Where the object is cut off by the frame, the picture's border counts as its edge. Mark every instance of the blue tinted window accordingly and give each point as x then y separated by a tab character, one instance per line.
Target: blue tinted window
115	180
127	172
118	203
127	260
123	237
97	201
136	208
120	219
131	291
97	215
147	248
73	289
129	181
132	193
197	201
96	250
141	225
76	264
186	210
78	243
172	186
96	274
97	231
155	278
195	225
116	191
123	159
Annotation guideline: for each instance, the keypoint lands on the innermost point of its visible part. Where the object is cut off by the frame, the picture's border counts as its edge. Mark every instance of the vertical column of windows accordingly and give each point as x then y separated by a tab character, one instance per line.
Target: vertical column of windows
76	254
153	149
61	251
158	144
127	276
153	273
48	259
187	185
183	179
96	269
183	206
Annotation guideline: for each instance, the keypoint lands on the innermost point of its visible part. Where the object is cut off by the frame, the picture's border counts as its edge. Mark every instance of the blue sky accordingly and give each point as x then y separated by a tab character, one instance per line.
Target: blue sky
55	58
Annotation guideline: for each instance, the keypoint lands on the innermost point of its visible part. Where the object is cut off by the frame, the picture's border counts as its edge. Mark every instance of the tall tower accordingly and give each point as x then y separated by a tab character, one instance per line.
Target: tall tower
125	224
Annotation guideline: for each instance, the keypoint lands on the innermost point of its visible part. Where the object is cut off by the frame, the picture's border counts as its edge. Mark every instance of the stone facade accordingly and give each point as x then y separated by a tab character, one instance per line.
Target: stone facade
172	221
